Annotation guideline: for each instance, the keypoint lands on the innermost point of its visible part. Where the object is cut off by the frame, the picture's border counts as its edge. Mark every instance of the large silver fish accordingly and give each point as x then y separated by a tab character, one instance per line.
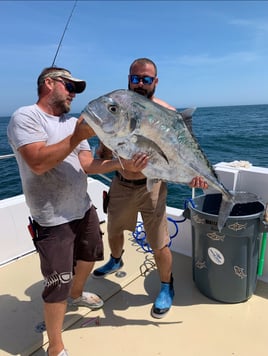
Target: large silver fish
127	123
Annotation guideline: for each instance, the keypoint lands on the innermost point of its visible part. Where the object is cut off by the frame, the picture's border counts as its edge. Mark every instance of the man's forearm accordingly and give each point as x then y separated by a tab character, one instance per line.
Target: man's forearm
103	166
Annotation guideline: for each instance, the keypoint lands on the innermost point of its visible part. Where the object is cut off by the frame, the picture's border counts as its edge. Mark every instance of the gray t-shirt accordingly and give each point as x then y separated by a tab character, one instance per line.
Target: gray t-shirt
59	195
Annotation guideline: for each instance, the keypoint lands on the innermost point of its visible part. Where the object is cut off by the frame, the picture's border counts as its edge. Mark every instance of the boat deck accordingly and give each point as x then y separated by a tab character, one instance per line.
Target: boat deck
195	326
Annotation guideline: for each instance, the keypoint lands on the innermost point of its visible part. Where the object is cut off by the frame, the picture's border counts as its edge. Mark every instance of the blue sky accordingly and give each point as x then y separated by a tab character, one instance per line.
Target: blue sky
208	53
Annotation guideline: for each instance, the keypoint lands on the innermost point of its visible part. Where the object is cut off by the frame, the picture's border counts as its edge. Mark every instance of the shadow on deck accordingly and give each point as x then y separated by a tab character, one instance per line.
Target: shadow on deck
195	326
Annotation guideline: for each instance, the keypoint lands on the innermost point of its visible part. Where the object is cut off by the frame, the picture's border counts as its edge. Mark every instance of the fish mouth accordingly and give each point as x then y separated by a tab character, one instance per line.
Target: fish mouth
92	118
96	119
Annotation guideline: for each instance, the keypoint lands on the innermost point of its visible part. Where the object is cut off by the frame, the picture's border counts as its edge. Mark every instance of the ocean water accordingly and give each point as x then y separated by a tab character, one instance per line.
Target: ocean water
226	133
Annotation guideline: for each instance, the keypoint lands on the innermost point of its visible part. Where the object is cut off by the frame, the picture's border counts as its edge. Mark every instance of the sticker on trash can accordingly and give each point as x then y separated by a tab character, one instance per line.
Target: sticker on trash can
200	264
240	272
215	236
216	256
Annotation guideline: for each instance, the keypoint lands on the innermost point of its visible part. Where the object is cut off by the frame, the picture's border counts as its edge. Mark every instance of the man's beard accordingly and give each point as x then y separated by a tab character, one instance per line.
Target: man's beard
144	92
61	105
65	107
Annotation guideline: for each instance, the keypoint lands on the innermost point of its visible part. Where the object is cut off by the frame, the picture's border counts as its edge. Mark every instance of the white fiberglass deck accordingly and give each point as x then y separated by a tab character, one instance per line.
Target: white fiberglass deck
196	325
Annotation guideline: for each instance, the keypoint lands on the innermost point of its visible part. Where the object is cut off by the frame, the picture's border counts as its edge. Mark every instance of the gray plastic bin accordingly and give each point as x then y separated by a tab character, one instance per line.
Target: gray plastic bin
225	263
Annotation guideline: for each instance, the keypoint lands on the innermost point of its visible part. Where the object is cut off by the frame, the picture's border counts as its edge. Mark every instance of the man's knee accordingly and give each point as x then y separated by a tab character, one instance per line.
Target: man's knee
57	287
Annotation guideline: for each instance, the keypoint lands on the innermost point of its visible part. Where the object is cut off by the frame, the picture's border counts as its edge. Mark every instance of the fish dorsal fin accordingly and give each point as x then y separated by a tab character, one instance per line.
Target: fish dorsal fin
187	117
187	113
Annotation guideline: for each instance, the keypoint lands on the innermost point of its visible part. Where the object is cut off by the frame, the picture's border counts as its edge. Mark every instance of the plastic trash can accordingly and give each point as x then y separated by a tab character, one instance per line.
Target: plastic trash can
225	263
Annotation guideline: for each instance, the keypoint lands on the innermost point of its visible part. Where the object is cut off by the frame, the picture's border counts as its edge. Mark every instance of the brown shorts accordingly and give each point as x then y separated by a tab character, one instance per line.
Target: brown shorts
127	199
61	246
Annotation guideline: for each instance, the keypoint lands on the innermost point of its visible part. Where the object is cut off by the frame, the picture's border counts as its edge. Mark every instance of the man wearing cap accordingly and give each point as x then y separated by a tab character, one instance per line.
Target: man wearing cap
54	159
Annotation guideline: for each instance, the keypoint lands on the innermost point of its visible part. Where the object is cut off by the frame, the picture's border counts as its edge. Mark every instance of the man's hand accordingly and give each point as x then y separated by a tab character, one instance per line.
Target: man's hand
137	163
82	130
104	152
198	182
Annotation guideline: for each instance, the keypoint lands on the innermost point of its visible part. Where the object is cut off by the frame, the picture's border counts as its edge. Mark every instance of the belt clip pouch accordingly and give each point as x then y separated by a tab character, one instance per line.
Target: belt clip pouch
105	201
32	229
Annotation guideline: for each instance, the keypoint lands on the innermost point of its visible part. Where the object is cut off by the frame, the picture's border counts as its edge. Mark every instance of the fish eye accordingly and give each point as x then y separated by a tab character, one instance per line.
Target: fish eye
112	108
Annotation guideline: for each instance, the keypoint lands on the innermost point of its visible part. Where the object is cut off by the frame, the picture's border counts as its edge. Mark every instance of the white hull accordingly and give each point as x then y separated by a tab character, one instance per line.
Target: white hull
14	213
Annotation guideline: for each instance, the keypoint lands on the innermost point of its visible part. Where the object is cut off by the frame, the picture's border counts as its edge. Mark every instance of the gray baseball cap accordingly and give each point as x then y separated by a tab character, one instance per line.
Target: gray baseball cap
80	84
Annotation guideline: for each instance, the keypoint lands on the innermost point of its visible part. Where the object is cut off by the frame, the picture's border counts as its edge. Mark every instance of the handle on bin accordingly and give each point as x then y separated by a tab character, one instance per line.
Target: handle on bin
262	254
264	243
186	213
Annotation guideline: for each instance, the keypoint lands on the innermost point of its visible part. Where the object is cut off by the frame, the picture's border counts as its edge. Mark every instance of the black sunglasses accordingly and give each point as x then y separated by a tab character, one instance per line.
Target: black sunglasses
70	87
135	79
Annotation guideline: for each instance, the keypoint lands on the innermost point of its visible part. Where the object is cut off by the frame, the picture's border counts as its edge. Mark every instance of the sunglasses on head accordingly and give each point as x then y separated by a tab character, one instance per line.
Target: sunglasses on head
135	79
70	87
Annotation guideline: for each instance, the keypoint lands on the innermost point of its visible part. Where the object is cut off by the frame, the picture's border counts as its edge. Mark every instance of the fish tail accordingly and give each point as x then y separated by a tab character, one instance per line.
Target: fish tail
229	201
244	197
225	210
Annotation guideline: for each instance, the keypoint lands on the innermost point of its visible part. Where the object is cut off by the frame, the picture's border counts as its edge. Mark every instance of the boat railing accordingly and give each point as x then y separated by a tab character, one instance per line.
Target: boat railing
7	156
10	155
104	177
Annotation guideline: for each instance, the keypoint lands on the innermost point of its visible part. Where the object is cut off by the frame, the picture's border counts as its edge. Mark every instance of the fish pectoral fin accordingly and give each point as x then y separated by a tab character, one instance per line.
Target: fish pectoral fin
146	142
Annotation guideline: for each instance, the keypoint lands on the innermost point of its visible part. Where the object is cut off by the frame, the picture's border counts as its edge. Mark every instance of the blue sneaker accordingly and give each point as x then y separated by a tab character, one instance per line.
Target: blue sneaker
164	300
113	265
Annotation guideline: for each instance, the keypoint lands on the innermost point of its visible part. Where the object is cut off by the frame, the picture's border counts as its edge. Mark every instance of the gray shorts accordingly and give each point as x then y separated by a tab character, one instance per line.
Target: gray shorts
59	248
127	199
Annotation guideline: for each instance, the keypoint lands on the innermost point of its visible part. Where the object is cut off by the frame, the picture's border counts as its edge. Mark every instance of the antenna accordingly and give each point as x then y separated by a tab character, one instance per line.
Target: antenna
67	23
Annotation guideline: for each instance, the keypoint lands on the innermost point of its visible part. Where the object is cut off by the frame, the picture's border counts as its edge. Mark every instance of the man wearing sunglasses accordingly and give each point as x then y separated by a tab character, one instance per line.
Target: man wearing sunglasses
54	159
128	195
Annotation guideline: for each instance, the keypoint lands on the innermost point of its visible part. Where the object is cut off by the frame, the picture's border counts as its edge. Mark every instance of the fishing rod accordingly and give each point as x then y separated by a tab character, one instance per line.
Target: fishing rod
66	26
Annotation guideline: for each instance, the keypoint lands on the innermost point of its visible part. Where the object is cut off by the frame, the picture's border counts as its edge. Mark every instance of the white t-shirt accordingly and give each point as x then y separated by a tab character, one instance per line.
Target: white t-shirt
59	195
